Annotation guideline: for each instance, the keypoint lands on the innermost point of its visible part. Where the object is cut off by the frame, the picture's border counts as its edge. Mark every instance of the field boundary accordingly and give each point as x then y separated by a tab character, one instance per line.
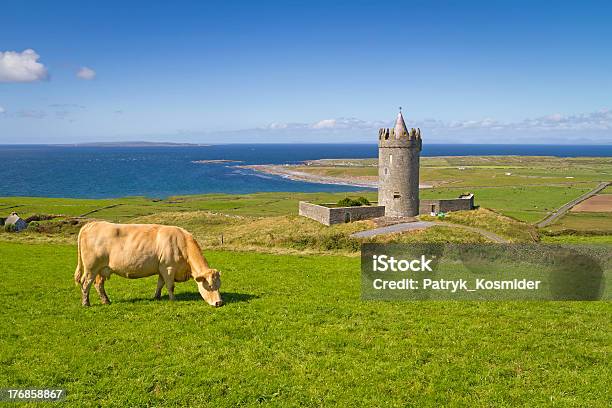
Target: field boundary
100	209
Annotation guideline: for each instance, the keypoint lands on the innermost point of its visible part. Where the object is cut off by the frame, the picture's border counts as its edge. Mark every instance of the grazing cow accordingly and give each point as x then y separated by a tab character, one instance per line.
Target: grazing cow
141	250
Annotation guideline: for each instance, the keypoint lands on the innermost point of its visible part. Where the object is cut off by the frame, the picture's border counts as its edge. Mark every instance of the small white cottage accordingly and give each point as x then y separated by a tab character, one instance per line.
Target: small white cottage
15	220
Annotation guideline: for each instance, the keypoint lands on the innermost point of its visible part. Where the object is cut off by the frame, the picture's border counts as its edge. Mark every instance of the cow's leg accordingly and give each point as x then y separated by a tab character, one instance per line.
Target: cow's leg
85	286
99	285
168	274
160	285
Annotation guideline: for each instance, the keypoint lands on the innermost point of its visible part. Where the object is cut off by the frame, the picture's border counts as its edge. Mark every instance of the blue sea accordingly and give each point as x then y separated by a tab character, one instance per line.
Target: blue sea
158	172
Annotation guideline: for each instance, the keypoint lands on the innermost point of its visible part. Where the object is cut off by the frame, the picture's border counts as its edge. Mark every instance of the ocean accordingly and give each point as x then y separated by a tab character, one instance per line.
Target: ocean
158	172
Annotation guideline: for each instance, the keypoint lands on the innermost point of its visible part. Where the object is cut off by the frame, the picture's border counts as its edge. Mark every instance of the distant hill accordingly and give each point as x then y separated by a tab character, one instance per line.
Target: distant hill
133	144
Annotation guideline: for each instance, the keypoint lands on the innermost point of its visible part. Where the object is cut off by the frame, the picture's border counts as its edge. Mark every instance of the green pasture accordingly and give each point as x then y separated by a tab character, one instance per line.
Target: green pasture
117	209
483	171
293	332
525	203
584	223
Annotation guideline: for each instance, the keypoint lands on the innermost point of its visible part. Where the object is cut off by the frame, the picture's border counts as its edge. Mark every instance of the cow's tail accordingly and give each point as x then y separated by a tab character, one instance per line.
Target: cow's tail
78	273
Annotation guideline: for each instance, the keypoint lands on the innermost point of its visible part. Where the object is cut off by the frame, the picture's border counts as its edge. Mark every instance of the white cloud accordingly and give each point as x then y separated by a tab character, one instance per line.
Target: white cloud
21	66
86	73
593	127
325	124
2	110
599	120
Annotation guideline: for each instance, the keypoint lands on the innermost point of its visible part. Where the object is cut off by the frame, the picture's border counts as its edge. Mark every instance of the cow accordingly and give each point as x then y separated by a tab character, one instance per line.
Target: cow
141	250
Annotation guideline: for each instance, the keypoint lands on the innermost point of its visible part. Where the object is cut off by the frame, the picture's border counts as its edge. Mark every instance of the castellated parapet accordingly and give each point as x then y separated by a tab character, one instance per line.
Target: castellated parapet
399	151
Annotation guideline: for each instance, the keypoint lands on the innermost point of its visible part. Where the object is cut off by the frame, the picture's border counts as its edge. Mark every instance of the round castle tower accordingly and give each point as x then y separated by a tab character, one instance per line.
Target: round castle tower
399	151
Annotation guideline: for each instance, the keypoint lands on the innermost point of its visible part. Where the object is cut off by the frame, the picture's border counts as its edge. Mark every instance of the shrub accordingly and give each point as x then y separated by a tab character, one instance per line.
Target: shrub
364	201
40	217
349	202
10	228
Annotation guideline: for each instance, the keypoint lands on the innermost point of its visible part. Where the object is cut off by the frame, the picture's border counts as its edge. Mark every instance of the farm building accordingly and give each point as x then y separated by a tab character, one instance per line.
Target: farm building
15	220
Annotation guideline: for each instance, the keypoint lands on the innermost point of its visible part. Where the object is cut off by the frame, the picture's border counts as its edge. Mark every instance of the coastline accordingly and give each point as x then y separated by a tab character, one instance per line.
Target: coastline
286	171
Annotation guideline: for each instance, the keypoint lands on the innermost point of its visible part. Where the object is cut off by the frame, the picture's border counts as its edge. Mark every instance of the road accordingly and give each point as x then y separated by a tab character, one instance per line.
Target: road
409	226
566	207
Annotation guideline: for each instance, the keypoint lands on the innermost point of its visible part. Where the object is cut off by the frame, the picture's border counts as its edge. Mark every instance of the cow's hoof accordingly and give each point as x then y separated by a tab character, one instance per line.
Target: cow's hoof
106	301
85	304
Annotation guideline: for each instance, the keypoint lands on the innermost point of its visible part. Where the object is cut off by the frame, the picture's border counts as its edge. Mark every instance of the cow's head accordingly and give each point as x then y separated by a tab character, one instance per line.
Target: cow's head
208	285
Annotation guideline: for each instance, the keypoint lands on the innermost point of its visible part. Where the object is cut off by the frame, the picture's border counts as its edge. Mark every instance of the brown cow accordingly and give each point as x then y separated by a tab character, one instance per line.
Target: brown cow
141	250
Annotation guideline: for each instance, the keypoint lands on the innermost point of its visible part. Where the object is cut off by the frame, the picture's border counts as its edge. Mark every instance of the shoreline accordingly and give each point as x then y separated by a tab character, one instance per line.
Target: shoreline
285	171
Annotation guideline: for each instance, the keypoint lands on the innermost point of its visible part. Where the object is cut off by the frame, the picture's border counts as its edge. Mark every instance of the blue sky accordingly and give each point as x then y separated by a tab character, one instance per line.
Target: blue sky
463	71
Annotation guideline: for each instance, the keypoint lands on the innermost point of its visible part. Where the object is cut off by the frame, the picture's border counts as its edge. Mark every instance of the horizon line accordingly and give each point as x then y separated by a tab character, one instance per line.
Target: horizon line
192	144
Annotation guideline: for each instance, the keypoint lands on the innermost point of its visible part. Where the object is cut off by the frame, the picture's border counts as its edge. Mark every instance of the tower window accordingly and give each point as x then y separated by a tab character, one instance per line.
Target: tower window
386	171
396	194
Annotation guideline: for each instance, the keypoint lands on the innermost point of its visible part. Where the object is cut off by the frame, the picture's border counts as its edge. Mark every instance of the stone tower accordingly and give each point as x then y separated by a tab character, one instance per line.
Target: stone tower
399	151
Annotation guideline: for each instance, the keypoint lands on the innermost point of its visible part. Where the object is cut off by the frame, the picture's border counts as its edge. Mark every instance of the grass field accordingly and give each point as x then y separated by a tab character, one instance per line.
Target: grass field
480	171
293	332
584	223
525	188
524	203
268	221
259	204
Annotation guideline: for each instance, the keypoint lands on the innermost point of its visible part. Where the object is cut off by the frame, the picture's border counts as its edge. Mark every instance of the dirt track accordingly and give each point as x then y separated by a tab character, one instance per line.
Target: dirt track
409	226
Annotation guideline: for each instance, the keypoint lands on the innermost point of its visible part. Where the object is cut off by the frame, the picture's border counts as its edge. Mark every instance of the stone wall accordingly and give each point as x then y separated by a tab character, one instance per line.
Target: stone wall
315	212
446	205
338	215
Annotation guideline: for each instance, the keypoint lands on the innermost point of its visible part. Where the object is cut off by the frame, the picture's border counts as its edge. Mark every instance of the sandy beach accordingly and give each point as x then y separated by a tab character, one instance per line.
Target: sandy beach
289	171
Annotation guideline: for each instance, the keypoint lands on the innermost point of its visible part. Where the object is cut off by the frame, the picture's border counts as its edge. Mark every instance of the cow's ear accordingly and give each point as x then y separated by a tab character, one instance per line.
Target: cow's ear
200	278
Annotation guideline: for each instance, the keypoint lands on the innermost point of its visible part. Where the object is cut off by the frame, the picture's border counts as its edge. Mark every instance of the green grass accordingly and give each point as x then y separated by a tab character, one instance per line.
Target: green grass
583	223
607	190
268	221
482	171
258	205
577	239
294	332
280	234
488	220
524	203
524	188
535	187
